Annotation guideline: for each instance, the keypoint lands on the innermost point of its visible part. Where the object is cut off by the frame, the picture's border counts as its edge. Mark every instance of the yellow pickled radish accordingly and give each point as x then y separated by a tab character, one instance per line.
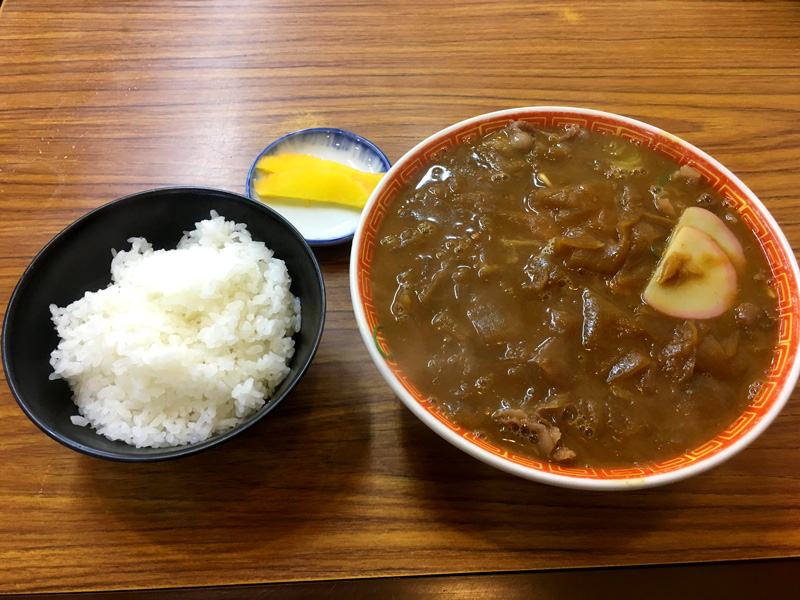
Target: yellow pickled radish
315	184
286	162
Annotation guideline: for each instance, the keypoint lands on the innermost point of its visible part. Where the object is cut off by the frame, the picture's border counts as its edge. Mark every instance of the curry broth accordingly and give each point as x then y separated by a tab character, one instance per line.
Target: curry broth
508	282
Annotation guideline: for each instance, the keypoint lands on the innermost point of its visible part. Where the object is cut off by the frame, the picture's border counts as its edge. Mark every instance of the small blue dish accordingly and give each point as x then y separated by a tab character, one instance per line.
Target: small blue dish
322	224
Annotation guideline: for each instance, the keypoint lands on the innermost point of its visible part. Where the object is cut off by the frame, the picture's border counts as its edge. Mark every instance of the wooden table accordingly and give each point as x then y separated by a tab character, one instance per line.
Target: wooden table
101	99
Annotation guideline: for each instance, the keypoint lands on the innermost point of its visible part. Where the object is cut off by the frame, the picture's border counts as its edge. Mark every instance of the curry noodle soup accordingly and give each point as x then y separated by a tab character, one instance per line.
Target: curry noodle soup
508	277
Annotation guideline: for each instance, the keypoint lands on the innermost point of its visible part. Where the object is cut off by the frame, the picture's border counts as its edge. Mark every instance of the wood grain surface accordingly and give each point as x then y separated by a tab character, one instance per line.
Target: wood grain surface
743	580
101	99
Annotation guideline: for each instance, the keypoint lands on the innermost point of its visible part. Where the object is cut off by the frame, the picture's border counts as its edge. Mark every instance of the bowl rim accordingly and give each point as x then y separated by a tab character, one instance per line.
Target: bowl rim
357	139
157	454
628	478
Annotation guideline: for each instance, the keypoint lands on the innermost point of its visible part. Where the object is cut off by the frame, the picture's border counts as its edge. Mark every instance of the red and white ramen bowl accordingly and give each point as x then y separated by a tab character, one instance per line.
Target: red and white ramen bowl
762	410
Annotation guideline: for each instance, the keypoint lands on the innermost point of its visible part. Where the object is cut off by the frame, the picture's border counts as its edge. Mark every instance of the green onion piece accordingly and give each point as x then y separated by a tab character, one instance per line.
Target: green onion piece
663	179
655	252
375	331
615	147
634	161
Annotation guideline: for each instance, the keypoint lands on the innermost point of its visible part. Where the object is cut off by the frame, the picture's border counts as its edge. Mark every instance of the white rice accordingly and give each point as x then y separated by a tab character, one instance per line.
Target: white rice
184	343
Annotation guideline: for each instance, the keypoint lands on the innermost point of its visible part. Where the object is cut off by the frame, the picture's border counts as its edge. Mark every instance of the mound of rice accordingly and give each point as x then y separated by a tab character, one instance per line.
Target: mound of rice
184	343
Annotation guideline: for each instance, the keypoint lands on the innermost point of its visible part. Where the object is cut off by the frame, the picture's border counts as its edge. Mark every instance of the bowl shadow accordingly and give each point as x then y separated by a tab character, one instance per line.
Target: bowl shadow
515	514
286	473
